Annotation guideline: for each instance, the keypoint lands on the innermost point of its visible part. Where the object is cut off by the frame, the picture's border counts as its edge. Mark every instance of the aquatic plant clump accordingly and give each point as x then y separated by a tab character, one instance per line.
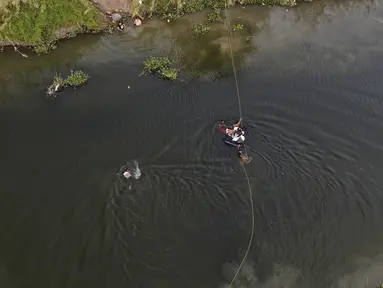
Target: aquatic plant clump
201	29
75	79
155	64
380	285
238	27
161	66
169	73
44	47
215	16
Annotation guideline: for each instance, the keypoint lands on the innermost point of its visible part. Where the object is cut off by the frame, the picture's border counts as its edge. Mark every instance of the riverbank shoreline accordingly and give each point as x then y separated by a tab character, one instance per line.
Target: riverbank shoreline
40	25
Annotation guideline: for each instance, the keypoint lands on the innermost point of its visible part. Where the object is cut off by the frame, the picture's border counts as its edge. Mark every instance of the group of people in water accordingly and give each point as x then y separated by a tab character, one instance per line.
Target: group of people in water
117	19
236	137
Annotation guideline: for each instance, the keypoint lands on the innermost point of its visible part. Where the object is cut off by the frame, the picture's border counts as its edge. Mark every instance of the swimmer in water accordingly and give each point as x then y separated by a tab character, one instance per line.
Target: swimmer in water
241	154
120	26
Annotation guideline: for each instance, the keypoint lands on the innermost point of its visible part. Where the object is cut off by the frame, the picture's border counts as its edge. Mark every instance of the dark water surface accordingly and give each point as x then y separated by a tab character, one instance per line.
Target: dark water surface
311	91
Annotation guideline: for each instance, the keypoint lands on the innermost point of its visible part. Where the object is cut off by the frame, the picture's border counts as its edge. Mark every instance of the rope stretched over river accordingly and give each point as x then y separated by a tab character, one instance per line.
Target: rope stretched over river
227	22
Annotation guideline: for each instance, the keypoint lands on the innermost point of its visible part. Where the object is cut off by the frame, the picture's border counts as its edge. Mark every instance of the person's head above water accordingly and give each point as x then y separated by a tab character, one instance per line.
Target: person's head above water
127	174
137	22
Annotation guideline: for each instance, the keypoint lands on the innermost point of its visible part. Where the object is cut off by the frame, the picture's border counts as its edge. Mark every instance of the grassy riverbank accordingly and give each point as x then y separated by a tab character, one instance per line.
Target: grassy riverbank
38	23
171	9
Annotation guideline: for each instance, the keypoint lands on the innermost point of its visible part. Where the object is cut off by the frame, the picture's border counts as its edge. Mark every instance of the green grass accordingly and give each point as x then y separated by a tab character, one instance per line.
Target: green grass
172	9
35	22
271	2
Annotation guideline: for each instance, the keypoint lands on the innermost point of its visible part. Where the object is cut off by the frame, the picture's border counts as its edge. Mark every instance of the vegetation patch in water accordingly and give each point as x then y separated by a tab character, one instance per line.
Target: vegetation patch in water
215	16
75	79
169	73
238	27
380	285
160	66
44	47
201	29
39	23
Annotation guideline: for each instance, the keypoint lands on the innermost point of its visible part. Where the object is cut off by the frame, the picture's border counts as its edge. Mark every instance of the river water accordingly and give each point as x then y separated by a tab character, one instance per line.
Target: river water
310	81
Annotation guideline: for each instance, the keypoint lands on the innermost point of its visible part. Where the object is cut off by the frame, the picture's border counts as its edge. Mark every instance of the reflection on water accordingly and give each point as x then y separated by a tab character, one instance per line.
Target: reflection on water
310	88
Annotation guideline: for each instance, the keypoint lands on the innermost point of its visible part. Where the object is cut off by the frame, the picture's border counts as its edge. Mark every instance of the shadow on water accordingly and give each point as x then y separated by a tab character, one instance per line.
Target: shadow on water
311	93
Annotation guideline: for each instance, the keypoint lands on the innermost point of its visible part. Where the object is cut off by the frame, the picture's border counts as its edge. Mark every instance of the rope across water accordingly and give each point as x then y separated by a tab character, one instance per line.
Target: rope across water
228	27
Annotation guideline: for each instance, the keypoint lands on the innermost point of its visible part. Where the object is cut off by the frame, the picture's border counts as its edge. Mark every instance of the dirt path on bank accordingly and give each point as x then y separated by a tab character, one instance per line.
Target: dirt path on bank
109	5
